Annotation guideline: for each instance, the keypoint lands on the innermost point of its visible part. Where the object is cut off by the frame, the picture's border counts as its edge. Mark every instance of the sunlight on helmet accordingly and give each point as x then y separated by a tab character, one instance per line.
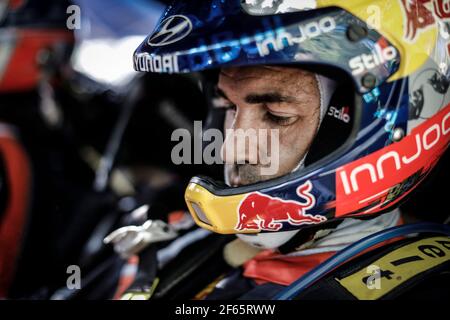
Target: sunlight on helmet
268	7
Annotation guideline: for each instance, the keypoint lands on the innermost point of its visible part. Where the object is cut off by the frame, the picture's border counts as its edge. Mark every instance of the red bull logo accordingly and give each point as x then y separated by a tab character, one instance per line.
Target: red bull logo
262	212
422	14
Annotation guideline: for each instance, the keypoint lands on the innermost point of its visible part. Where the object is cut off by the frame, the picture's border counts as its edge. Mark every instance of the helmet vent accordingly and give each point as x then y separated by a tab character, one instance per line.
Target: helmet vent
200	214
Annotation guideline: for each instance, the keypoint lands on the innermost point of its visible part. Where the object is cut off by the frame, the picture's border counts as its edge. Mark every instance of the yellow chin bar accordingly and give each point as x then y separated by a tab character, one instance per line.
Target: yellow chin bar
212	212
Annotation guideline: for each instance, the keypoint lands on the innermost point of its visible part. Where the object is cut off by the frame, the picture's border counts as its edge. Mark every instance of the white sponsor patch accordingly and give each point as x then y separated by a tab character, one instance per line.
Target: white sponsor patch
156	63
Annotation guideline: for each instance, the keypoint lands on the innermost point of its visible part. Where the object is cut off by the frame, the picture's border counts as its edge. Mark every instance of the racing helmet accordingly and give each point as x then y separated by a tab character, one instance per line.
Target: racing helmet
386	124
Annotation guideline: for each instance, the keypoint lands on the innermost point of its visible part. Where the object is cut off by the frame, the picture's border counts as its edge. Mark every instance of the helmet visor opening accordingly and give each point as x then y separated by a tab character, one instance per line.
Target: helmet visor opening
338	124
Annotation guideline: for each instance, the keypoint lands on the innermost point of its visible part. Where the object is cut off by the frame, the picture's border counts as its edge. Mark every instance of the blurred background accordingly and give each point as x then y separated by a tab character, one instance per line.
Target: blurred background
84	141
85	145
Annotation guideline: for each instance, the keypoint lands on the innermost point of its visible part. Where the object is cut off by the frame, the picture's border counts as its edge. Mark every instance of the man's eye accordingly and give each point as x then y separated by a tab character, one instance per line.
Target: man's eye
282	121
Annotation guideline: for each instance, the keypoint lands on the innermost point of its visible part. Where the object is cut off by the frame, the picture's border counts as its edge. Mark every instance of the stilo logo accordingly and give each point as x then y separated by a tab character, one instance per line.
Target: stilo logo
171	30
378	56
262	212
340	114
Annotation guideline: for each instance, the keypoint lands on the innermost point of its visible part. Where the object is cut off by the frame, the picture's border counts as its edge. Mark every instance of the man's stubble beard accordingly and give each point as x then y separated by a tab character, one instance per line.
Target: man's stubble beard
247	173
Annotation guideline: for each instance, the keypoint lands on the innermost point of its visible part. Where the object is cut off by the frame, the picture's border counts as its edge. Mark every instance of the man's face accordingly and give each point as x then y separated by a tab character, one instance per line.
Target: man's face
266	97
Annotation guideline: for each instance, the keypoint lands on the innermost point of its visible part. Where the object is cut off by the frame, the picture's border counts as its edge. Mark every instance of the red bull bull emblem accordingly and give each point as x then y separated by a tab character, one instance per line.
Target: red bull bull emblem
421	14
262	212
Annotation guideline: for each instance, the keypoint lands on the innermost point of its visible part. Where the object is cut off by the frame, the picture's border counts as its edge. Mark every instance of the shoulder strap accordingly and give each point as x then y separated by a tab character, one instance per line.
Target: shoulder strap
388	272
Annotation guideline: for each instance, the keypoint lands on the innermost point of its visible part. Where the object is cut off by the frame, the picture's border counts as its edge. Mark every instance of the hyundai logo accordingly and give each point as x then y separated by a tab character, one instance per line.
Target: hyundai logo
170	30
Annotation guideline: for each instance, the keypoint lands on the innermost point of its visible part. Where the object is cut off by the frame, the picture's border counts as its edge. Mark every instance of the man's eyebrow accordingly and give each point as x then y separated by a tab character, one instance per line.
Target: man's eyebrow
273	97
254	98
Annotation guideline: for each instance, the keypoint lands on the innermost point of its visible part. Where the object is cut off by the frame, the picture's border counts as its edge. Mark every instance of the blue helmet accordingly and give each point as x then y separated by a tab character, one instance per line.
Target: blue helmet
386	125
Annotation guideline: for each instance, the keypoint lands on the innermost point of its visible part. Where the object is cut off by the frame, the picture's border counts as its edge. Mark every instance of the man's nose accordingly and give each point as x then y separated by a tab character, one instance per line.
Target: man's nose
241	140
